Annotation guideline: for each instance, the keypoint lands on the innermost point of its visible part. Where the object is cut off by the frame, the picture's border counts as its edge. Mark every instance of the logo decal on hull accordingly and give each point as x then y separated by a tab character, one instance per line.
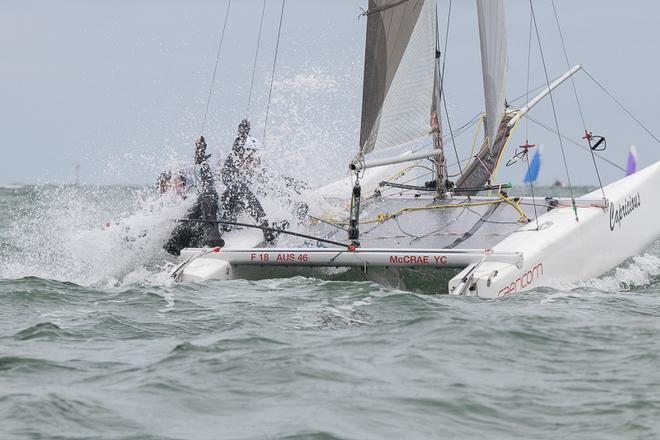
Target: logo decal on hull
523	281
619	211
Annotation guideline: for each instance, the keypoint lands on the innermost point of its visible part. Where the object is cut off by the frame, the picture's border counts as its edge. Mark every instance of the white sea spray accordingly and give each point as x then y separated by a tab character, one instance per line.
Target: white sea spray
91	236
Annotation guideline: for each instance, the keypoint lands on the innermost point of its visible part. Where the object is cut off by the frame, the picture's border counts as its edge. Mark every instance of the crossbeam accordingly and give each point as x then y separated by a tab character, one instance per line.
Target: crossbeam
523	111
314	257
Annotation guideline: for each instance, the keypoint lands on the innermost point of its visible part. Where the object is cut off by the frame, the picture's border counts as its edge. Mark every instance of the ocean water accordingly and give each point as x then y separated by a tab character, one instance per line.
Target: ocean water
96	342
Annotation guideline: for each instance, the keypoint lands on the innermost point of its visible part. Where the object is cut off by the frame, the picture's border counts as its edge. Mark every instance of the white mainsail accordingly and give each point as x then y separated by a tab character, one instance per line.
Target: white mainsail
399	73
492	35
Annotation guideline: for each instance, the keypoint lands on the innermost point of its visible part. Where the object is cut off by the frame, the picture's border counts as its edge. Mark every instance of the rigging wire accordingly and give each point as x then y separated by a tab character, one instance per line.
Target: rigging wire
531	186
382	217
577	99
462	129
568	64
272	76
628	112
529	57
451	135
535	89
529	174
576	143
441	228
263	228
442	80
256	56
215	69
554	110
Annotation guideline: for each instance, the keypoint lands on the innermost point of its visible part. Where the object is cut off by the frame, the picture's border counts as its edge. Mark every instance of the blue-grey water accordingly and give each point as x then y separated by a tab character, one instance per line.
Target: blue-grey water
96	342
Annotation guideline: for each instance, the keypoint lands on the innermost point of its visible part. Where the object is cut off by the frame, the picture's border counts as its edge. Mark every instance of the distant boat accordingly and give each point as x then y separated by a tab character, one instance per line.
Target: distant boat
632	161
534	167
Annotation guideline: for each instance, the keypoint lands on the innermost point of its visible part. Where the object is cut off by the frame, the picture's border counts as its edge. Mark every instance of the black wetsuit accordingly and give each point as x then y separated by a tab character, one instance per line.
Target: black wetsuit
237	174
199	233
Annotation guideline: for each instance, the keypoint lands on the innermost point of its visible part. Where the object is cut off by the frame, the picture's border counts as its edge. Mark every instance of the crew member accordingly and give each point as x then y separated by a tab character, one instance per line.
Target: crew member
164	182
177	183
197	232
238	174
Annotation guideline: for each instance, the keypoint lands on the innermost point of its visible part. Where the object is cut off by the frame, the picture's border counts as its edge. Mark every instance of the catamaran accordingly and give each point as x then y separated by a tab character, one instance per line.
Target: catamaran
404	206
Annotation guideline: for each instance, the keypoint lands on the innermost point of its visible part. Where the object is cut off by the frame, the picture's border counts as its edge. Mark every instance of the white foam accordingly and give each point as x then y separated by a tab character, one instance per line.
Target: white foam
93	236
639	271
311	133
61	232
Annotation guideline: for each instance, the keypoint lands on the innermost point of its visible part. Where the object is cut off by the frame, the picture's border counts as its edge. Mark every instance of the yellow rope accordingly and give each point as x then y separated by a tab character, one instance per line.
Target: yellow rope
402	172
506	143
383	216
516	205
499	158
474	144
474	140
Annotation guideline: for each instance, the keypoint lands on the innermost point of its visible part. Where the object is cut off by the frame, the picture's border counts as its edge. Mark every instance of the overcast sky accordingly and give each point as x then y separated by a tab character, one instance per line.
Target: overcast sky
119	87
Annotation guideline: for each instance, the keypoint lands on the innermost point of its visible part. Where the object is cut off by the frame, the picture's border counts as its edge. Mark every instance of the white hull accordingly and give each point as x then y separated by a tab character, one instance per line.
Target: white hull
561	251
566	251
199	265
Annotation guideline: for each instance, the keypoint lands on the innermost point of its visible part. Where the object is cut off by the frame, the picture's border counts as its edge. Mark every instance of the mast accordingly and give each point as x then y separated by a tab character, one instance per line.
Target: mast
436	120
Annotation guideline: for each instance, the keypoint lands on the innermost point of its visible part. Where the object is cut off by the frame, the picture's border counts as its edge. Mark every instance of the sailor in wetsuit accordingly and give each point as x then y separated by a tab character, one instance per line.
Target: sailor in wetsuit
199	233
238	173
175	183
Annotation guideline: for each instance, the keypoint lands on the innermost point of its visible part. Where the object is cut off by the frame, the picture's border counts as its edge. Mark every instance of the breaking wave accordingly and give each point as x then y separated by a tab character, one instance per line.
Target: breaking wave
641	271
92	236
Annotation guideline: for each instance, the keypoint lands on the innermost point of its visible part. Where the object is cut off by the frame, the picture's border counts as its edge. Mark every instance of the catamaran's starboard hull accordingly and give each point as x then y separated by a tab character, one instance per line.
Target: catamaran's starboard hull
566	251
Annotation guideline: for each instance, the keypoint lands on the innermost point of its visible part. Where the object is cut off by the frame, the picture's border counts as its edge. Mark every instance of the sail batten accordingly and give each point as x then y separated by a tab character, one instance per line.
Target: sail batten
492	36
399	73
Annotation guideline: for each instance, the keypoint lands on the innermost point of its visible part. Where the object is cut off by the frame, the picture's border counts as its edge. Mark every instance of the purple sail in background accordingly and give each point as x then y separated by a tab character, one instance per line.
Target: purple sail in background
632	161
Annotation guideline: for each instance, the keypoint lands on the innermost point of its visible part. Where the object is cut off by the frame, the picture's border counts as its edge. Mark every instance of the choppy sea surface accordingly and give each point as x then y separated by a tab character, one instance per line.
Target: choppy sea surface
96	342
